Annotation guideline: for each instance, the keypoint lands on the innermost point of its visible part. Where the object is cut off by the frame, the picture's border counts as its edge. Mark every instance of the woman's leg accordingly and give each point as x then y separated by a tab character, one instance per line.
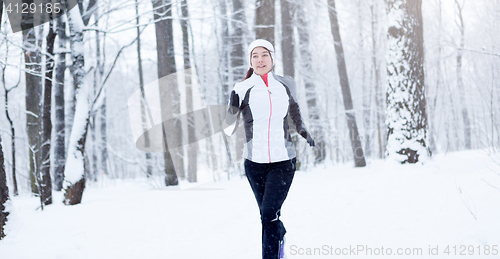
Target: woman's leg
278	182
256	174
270	184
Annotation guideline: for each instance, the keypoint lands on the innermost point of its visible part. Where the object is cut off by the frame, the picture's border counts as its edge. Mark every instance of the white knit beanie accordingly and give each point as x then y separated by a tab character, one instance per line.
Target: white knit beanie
260	43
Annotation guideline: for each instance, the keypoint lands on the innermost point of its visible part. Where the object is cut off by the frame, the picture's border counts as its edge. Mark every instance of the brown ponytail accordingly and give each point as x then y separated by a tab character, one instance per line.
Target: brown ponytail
249	74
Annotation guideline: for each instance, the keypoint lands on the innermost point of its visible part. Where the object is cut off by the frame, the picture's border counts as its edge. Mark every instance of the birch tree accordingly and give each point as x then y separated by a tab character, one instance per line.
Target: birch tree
406	115
85	17
74	182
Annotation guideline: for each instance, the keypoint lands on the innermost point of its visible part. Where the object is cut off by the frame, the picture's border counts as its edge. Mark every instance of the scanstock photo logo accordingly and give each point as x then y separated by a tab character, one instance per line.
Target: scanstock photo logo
153	117
156	119
27	14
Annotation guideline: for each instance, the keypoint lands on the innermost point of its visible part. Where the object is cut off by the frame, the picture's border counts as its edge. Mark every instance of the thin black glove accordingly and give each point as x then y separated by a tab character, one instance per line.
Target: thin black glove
310	141
308	137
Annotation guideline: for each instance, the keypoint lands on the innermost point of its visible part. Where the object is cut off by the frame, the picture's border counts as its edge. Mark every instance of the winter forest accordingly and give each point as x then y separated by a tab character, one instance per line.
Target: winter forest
382	85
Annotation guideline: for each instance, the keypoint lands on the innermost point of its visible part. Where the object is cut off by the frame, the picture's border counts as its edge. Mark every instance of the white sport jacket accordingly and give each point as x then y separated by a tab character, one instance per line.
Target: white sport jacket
265	110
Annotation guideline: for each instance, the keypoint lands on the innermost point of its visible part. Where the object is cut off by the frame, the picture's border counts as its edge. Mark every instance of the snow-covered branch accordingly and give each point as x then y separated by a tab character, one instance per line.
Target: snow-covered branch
481	52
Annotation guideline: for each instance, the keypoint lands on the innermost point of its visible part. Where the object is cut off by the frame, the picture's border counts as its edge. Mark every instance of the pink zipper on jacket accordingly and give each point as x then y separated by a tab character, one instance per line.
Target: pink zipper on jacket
264	77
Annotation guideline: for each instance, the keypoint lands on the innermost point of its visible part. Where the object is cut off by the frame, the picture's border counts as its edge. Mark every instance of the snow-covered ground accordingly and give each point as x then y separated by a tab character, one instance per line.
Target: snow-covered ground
453	201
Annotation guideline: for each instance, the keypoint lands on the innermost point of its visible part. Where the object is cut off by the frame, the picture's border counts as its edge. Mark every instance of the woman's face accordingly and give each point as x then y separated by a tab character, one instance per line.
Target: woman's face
261	61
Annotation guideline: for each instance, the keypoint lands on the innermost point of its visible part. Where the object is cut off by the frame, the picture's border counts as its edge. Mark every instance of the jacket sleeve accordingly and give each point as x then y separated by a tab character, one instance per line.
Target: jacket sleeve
232	114
294	110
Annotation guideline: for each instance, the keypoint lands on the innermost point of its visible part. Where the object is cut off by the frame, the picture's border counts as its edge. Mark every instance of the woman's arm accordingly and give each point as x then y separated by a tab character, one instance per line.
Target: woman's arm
232	114
297	121
294	109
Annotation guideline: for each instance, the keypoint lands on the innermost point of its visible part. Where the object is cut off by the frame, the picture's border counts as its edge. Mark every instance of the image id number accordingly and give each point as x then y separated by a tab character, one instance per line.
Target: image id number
33	8
471	250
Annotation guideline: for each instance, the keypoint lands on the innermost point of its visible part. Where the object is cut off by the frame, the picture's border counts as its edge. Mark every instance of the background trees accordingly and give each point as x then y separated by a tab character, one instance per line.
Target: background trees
169	95
359	158
406	102
202	45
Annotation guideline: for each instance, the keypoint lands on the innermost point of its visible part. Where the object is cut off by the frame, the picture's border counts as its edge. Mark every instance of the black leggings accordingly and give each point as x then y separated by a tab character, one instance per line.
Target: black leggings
270	183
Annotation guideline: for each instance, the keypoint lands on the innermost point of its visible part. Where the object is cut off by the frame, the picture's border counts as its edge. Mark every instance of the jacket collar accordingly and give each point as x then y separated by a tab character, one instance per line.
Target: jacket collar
256	79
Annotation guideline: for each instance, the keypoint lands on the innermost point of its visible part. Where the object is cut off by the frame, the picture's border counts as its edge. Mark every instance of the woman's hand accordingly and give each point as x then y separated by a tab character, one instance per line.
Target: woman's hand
307	136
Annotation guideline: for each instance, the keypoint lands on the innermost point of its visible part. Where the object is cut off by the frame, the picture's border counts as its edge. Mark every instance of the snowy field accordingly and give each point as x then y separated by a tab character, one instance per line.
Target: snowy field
449	206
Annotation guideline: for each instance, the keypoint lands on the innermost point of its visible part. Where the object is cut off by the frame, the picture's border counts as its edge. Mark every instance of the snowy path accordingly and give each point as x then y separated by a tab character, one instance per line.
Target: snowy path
382	205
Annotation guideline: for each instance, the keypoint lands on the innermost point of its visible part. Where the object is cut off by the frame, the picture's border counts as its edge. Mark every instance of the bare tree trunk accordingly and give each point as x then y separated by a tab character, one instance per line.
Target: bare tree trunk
193	147
460	83
288	10
224	52
74	183
238	58
92	174
104	135
149	167
338	153
4	191
376	70
367	90
71	105
169	93
287	39
357	149
45	179
406	114
1	13
59	148
11	123
213	155
452	135
98	146
306	65
238	62
433	102
264	20
38	176
33	95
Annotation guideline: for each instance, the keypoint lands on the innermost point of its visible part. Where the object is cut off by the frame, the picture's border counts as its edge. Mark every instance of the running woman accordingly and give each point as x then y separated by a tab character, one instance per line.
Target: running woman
266	101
